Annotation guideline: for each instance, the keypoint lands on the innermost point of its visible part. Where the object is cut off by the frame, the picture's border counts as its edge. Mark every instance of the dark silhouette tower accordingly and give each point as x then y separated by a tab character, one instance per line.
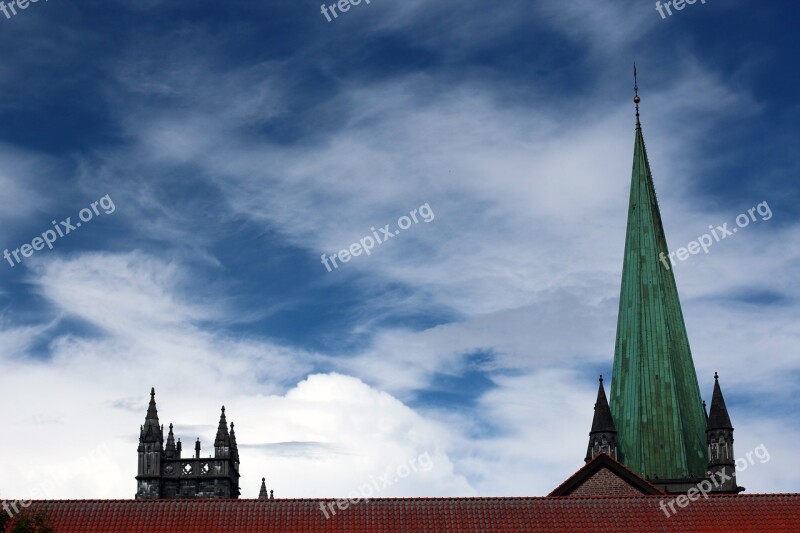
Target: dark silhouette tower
721	461
163	473
151	451
603	436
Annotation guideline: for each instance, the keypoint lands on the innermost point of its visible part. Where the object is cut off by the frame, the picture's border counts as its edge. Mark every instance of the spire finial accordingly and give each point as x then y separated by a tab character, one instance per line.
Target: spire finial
601	378
152	411
716	376
636	98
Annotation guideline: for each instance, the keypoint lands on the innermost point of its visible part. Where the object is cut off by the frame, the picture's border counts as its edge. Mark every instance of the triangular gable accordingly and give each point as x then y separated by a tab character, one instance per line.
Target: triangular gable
604	476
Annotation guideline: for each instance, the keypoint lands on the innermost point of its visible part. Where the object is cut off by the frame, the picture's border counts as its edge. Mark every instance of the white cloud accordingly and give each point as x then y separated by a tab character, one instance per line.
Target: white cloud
369	432
93	391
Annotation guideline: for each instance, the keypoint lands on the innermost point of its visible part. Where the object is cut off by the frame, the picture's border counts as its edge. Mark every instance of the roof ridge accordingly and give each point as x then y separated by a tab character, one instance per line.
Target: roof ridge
411	498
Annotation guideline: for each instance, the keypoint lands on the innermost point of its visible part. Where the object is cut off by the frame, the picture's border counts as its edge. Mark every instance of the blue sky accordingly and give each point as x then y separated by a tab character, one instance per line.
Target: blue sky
239	142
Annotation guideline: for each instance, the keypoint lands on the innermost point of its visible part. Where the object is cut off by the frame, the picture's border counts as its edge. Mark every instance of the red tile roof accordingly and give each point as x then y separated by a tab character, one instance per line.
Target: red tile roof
641	514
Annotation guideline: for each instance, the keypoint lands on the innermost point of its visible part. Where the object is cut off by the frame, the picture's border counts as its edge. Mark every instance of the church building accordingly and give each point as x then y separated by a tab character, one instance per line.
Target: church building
656	423
651	447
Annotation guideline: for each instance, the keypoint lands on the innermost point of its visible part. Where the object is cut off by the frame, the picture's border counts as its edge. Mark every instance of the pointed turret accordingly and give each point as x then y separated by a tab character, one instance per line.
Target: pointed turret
262	495
718	415
234	458
603	436
721	461
152	412
152	431
222	443
170	450
234	448
655	396
151	453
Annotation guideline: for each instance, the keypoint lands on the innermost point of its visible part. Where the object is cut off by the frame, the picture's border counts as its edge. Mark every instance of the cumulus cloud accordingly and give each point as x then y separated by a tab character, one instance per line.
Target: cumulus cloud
146	335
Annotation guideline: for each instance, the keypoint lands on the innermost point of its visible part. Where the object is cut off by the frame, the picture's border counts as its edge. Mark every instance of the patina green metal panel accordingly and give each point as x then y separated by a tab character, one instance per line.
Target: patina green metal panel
655	398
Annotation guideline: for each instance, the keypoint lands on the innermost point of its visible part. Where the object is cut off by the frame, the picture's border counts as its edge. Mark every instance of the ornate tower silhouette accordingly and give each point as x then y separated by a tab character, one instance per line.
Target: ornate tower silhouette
163	473
151	451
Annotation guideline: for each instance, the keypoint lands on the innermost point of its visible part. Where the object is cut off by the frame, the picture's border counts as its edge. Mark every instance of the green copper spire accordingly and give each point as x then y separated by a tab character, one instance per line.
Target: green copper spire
655	398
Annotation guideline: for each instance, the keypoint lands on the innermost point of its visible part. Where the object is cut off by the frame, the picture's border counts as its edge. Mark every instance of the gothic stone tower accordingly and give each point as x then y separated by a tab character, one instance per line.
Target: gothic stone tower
656	419
164	473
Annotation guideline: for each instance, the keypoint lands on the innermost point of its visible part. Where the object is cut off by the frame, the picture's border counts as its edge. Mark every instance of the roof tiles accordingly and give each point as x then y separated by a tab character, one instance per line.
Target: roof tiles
762	513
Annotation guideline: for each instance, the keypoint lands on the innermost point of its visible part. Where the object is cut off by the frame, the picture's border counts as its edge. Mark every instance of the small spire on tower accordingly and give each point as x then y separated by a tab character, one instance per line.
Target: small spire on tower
151	431
152	411
719	435
636	98
170	449
262	494
222	443
718	417
234	446
603	436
